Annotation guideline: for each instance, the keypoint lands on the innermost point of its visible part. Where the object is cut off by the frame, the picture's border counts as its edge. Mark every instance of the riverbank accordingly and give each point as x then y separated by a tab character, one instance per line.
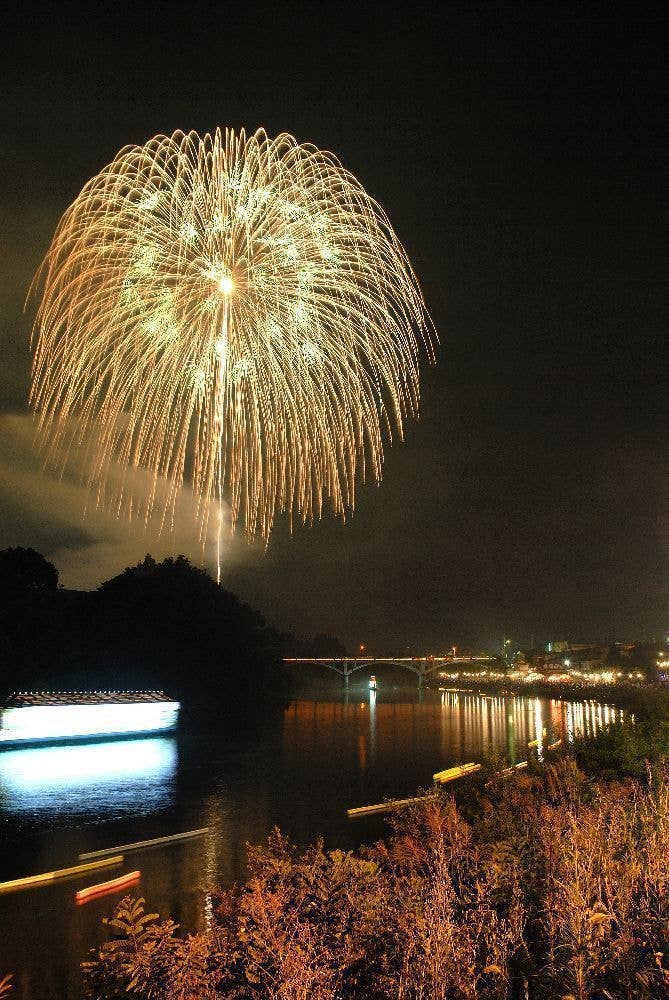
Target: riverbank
625	695
553	886
299	769
623	748
550	882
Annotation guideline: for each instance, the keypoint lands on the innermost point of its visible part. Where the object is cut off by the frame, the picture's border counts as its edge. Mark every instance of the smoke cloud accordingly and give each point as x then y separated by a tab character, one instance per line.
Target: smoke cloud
88	544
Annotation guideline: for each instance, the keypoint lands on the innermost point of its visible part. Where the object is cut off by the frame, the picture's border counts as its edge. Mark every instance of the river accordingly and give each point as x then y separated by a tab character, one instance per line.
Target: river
299	768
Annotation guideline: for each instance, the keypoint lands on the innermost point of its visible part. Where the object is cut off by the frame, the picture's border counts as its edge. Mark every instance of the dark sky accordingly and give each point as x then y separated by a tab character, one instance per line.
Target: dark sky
521	154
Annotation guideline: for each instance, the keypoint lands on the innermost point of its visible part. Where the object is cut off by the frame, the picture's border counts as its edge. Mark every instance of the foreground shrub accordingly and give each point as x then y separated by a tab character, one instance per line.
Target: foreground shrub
556	887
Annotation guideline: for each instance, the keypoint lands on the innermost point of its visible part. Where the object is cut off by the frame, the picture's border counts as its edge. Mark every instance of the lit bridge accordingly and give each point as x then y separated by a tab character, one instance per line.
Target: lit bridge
422	666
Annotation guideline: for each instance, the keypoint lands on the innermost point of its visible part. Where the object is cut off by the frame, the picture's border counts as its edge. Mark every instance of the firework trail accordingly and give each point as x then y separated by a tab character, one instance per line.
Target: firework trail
231	311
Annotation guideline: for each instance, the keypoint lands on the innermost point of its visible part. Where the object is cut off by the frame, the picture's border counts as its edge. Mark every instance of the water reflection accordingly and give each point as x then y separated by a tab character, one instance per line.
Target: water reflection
511	723
372	724
511	736
539	729
453	726
115	777
326	755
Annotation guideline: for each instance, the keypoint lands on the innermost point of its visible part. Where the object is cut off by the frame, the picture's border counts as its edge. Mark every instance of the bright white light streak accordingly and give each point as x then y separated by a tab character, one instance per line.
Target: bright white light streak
539	729
53	722
59	768
372	722
570	723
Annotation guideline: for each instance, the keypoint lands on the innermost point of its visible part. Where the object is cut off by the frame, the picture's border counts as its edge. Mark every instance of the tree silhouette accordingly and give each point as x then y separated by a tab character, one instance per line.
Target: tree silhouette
24	572
155	625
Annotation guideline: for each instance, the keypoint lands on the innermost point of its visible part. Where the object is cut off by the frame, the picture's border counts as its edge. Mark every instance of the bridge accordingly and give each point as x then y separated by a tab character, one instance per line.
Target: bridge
422	666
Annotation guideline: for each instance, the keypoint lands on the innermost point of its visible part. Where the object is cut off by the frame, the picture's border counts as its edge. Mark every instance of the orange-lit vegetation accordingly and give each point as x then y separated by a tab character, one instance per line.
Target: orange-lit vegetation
551	885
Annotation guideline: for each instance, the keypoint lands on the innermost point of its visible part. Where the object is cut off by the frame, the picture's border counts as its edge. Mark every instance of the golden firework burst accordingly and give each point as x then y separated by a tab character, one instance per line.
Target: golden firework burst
231	311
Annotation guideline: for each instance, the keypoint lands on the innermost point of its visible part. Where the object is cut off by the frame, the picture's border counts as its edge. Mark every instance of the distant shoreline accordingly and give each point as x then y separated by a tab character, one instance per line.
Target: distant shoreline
624	695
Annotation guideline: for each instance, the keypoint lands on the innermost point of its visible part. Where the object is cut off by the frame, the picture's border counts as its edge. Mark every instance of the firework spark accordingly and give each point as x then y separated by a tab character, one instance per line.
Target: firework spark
231	310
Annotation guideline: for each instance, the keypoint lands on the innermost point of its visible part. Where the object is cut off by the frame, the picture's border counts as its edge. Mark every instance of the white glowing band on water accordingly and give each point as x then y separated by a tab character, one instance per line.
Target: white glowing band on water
49	722
85	770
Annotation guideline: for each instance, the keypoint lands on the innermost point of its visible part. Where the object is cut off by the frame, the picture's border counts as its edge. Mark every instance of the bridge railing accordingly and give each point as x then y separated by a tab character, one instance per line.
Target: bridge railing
420	665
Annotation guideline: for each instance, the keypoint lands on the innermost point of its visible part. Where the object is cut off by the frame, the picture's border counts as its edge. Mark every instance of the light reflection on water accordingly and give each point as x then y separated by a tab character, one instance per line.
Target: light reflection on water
389	738
512	722
300	770
450	727
119	776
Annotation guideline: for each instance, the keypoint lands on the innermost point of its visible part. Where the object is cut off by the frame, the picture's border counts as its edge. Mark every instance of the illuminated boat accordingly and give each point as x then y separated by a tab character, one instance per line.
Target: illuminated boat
106	888
48	716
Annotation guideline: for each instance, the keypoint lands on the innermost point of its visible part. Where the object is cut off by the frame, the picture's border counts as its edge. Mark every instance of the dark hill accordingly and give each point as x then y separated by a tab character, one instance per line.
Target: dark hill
166	625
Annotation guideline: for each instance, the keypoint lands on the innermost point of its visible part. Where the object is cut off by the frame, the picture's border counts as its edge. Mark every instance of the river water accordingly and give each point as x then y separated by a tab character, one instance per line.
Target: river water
300	769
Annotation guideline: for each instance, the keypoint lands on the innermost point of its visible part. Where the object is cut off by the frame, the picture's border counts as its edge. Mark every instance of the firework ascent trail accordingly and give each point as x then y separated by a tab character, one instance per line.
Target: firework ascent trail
231	312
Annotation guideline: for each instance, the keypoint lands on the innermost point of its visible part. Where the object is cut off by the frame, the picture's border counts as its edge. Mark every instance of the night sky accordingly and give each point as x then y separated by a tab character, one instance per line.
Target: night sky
521	154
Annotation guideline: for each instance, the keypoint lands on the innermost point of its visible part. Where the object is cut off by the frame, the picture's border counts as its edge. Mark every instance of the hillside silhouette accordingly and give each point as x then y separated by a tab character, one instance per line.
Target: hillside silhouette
155	625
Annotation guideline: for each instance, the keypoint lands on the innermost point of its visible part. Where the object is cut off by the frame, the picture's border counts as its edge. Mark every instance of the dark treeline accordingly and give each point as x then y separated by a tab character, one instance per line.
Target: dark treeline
155	625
